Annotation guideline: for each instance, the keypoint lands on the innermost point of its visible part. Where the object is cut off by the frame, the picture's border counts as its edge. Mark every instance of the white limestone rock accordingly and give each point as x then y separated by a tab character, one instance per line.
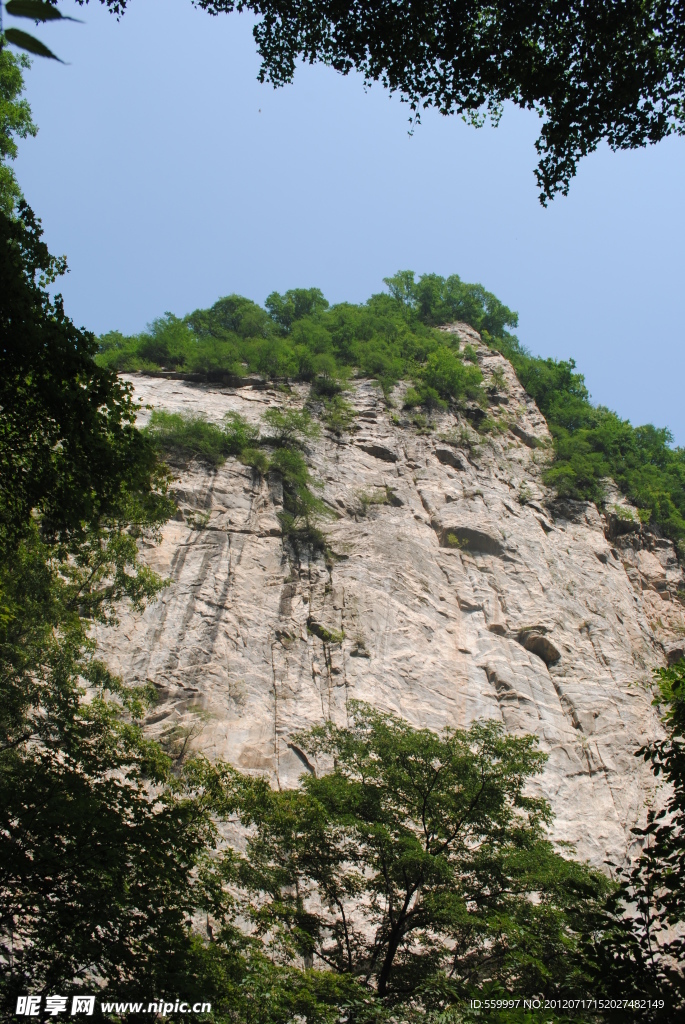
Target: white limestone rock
471	593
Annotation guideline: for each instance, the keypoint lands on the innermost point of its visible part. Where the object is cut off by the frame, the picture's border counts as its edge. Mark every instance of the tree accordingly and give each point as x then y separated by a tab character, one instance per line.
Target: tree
286	309
106	842
641	944
439	300
15	122
98	838
69	450
612	72
417	864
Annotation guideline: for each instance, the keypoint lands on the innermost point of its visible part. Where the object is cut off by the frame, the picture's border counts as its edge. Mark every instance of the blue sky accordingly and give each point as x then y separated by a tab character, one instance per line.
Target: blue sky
169	177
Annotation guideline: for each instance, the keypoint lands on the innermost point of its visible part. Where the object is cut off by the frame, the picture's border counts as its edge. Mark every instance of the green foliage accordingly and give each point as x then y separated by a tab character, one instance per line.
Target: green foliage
411	864
329	636
592	443
524	493
367	499
106	843
489	425
15	122
98	839
337	414
166	345
37	11
641	941
256	459
295	305
188	437
392	337
291	426
438	300
416	872
498	381
88	852
69	451
448	376
412	398
25	41
422	424
228	316
300	337
302	510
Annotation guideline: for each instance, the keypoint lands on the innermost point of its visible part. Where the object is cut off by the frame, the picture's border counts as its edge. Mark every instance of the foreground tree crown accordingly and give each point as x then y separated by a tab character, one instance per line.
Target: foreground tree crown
416	862
605	72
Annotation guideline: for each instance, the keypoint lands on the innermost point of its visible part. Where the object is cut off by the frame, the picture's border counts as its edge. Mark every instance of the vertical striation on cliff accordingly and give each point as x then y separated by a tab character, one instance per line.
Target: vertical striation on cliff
455	586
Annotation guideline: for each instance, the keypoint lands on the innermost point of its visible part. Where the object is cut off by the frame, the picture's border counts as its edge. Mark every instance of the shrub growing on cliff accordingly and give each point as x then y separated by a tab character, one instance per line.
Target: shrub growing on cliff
291	426
436	300
187	437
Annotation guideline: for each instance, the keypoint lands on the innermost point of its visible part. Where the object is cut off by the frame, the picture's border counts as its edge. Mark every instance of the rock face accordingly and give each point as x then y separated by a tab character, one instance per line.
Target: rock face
456	587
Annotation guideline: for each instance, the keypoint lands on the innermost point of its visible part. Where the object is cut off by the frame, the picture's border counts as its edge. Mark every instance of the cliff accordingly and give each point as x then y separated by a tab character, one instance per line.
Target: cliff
455	586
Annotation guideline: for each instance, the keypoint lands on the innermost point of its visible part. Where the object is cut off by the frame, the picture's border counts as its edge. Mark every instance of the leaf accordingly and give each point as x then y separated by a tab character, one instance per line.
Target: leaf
27	42
37	10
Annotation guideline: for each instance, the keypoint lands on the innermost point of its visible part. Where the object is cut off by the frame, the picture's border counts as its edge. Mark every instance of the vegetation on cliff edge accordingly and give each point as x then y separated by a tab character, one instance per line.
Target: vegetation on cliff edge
299	336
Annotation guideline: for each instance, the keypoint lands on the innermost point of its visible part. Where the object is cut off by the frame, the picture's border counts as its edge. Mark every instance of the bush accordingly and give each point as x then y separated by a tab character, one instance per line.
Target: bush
448	375
437	300
295	305
337	414
291	426
190	437
232	315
